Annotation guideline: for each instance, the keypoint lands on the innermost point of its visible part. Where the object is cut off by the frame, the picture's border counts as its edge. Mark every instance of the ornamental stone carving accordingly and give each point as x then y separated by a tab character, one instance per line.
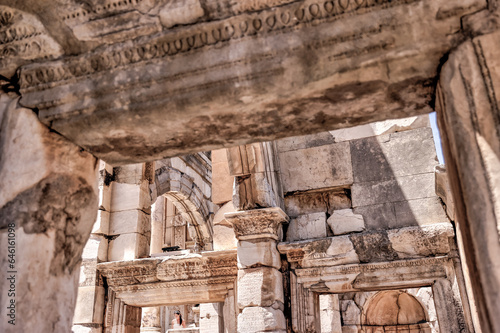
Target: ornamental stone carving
257	223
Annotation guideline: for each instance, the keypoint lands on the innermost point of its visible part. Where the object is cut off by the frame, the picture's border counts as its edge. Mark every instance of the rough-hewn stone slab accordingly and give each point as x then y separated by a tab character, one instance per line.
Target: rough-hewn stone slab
317	167
380	158
418	186
234	76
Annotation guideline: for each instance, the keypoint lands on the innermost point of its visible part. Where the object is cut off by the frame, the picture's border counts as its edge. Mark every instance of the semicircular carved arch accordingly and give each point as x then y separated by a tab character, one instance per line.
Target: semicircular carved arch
392	308
189	199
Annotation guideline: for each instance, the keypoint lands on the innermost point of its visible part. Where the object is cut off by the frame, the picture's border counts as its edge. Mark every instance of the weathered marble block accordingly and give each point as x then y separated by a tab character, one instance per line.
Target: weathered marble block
260	287
261	319
380	158
101	225
129	221
89	305
222	181
307	226
344	221
317	167
224	238
393	190
258	253
130	196
96	248
128	247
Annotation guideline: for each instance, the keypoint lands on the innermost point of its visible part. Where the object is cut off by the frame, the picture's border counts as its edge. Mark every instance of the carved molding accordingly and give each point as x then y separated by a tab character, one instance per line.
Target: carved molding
402	243
176	284
176	268
289	17
257	223
22	36
374	267
307	283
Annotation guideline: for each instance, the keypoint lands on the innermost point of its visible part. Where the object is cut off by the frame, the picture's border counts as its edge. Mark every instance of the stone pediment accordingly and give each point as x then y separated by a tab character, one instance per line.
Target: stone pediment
181	279
150	79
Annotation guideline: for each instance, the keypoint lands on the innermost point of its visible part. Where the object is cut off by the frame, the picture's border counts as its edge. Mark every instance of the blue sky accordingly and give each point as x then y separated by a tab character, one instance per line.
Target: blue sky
437	137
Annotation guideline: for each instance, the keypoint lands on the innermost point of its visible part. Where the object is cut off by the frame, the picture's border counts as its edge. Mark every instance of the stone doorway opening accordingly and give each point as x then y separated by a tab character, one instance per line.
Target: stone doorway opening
204	317
402	310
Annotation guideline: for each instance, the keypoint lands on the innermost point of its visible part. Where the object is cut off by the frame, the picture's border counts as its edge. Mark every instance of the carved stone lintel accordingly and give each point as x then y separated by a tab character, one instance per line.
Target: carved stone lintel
257	223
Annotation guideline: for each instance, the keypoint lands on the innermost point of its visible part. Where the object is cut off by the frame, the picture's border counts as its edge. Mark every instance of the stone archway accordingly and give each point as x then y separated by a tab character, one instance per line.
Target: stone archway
185	190
395	309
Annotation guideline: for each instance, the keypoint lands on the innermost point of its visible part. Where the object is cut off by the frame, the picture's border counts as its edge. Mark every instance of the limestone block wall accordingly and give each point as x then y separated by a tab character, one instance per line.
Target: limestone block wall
371	177
89	308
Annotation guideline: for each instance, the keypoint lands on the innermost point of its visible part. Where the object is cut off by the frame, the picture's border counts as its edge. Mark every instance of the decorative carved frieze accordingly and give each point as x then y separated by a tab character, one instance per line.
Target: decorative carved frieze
210	290
257	223
292	16
291	69
23	37
175	268
367	268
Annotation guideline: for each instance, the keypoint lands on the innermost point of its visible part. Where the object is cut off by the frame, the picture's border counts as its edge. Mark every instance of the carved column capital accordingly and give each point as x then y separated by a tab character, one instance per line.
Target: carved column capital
257	223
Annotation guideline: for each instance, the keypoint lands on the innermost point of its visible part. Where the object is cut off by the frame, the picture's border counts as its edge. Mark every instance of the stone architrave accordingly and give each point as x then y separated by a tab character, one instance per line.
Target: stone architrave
292	67
468	112
48	205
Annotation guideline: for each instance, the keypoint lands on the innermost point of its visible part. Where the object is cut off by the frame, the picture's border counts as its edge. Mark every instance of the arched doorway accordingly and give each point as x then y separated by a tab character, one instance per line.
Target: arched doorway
394	310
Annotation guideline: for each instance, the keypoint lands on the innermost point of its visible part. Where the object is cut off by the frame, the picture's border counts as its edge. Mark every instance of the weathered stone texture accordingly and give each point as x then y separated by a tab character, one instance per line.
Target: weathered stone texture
317	167
302	71
128	246
372	247
258	253
380	158
443	190
344	221
222	181
261	319
467	105
89	305
413	242
130	196
315	202
399	189
262	287
211	317
128	221
52	212
329	313
307	226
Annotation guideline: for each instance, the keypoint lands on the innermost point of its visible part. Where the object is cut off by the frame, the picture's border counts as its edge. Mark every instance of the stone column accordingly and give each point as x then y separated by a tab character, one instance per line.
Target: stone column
469	118
48	204
151	320
130	218
260	283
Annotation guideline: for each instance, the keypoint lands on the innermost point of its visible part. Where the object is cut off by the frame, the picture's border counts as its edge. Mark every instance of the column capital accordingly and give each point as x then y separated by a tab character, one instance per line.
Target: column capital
257	223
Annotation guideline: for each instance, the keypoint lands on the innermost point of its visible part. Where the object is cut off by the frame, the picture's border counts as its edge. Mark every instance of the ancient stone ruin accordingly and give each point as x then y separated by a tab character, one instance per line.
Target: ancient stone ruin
256	165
